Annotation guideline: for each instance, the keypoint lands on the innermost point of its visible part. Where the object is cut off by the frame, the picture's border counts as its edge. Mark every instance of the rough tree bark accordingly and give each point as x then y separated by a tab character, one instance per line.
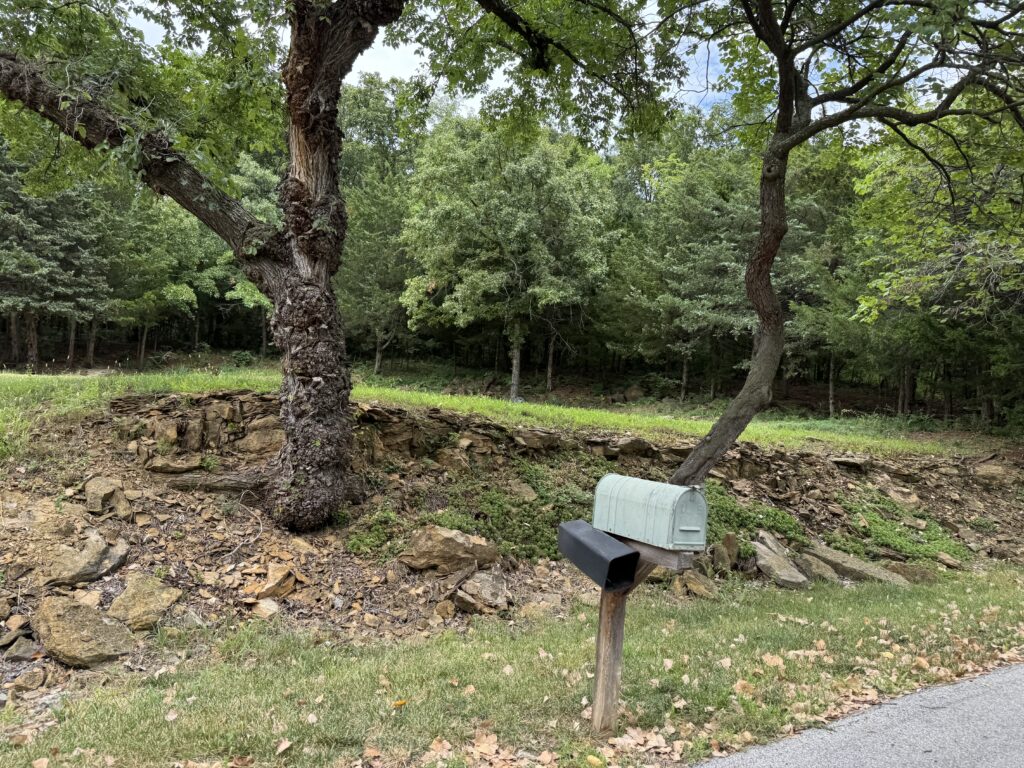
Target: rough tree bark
15	337
768	340
32	339
309	478
90	343
550	384
516	356
72	328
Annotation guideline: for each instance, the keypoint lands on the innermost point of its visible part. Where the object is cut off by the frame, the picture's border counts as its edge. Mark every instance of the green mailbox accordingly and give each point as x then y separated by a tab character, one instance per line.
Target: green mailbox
673	517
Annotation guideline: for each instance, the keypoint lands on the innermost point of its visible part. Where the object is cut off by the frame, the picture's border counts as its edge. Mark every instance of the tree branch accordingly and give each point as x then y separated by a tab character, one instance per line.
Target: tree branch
163	168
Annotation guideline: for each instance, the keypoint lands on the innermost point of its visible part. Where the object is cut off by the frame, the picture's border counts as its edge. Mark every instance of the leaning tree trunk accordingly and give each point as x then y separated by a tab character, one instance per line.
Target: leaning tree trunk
756	393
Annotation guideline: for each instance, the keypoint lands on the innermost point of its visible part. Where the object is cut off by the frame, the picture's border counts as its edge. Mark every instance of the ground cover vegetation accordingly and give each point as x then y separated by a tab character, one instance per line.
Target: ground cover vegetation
585	217
705	678
550	265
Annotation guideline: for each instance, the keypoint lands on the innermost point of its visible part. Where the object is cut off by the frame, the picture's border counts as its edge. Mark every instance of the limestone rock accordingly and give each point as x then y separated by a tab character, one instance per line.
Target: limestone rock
445	609
853	567
483	592
90	561
699	585
260	441
855	463
915	573
452	459
9	637
166	465
815	569
995	474
266	608
949	561
79	636
5	609
29	680
192	437
280	581
106	494
23	649
447	550
772	543
143	602
523	490
778	568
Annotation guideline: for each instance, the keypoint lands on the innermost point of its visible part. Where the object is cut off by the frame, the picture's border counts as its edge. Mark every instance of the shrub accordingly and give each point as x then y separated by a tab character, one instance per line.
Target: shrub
242	358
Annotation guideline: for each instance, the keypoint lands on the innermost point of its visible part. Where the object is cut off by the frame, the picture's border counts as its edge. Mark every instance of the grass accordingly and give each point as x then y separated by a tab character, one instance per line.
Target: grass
745	668
24	398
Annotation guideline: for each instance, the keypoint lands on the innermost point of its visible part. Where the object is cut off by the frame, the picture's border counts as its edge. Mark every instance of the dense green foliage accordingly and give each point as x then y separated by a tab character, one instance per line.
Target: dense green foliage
471	238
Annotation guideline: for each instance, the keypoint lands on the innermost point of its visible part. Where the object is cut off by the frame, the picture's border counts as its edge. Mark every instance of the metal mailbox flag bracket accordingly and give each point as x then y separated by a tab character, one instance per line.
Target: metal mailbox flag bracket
638	526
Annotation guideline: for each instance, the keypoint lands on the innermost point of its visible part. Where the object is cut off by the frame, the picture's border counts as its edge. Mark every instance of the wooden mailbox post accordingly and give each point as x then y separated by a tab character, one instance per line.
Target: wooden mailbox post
638	526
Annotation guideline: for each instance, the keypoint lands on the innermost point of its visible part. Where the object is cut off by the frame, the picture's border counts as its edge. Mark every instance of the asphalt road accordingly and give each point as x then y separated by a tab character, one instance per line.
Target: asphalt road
976	723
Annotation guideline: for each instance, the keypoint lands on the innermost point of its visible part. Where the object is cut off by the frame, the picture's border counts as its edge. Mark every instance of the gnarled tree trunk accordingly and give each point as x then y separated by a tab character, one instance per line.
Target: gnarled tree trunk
756	393
794	111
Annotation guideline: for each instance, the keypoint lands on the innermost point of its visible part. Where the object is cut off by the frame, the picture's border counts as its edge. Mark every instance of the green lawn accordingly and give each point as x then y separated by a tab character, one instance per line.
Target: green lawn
745	668
24	399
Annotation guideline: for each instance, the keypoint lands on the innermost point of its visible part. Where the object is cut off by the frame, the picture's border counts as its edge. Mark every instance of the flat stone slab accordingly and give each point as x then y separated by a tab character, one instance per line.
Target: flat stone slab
853	567
78	635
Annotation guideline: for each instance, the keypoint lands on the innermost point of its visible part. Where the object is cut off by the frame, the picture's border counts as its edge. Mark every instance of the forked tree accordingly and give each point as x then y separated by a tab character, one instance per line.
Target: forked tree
84	67
796	69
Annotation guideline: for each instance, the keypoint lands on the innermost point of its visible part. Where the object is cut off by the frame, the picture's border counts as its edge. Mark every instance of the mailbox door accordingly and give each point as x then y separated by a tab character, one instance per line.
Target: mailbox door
690	521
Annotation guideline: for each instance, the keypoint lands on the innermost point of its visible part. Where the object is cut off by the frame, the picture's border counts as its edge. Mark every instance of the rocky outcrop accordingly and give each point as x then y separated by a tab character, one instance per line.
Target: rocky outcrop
144	601
778	568
815	569
483	592
854	568
447	550
104	495
87	561
697	584
78	635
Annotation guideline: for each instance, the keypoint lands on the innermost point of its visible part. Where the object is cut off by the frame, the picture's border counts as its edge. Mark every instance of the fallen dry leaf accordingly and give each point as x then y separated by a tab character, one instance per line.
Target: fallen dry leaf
282	746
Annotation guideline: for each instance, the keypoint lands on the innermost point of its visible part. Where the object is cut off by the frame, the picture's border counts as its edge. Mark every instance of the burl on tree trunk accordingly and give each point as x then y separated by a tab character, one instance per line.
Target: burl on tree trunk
308	481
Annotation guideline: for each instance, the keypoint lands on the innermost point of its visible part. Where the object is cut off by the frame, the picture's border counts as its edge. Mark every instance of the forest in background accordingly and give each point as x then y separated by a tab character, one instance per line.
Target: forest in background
533	249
